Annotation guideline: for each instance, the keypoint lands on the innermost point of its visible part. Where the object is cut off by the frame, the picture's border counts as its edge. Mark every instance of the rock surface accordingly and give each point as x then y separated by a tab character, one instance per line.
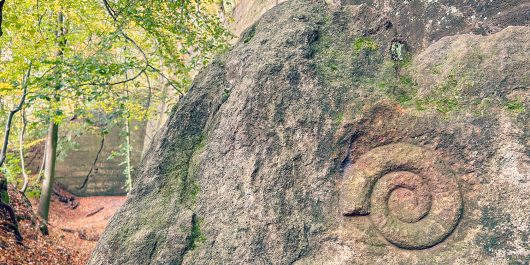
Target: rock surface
366	132
244	13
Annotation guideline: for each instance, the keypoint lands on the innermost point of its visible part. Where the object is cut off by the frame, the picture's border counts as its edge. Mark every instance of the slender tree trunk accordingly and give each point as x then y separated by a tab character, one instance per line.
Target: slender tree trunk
128	154
128	145
7	132
53	134
49	171
21	151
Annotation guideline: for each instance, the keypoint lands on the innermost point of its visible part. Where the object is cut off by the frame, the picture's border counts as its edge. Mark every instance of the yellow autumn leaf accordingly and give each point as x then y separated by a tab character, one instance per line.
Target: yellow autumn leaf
5	86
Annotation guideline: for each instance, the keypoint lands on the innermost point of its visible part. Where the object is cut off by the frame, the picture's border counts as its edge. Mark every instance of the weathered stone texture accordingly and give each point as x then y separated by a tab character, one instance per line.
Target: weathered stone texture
370	132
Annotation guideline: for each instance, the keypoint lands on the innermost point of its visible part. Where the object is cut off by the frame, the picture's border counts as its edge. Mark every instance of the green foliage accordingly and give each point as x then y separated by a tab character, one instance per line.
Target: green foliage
190	192
226	94
445	98
4	196
106	62
33	192
68	142
11	169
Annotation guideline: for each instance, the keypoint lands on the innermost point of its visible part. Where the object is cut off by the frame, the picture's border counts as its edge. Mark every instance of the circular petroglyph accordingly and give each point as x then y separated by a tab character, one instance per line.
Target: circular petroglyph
411	196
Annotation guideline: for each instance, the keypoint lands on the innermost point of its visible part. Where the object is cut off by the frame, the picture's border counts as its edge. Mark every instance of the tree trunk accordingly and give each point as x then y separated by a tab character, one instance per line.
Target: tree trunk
128	155
21	153
128	182
49	171
53	134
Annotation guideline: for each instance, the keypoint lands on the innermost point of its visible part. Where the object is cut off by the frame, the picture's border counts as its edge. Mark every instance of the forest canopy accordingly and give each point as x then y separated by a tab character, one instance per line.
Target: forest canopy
91	66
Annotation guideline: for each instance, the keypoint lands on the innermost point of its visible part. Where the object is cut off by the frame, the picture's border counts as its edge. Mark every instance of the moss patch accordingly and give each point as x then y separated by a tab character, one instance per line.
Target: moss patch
365	44
196	237
339	118
515	106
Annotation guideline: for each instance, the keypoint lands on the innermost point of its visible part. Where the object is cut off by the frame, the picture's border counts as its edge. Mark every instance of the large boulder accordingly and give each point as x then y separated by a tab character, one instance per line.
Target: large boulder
366	132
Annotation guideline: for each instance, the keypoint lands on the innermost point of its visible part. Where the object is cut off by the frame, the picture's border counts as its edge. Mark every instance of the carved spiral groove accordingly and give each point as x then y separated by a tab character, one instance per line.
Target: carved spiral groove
411	196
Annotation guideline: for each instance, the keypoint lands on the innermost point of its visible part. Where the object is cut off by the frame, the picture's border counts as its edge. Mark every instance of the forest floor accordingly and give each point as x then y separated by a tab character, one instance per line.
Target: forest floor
75	225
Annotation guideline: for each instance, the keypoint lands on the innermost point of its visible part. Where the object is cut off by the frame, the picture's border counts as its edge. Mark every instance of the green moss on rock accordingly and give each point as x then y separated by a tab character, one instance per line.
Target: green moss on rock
196	236
365	44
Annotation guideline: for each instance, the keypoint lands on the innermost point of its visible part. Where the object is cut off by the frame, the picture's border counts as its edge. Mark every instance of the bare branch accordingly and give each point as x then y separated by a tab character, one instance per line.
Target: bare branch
111	11
85	182
95	211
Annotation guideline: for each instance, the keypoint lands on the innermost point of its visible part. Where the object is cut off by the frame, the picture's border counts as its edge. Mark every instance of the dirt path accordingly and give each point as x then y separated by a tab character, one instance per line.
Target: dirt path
75	230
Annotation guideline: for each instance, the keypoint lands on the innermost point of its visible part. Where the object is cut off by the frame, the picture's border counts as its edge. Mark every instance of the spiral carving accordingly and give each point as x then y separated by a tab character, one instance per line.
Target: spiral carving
410	195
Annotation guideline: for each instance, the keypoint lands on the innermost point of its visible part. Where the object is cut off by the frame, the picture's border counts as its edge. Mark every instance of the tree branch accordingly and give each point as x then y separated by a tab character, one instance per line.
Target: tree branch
142	71
2	2
12	113
166	78
85	182
112	13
